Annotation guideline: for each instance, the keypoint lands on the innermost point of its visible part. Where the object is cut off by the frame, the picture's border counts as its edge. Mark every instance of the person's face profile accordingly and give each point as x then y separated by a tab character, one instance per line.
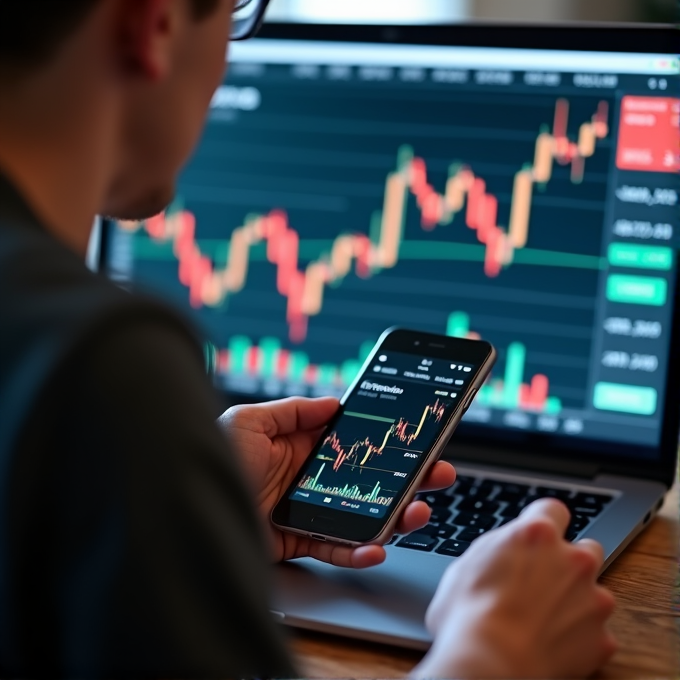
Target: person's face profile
164	116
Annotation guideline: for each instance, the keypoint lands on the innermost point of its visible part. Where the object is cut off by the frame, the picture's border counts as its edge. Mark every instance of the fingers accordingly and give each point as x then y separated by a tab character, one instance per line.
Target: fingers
415	516
594	549
549	509
344	556
295	414
441	476
367	556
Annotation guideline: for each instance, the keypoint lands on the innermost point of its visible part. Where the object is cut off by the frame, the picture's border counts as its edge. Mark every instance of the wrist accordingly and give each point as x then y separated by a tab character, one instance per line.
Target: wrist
469	654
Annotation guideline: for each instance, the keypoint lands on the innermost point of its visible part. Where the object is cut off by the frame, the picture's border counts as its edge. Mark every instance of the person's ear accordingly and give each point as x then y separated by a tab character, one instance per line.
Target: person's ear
146	35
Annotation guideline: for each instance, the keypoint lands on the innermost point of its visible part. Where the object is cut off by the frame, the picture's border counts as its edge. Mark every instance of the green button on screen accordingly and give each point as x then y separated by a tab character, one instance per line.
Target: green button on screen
625	398
639	290
642	257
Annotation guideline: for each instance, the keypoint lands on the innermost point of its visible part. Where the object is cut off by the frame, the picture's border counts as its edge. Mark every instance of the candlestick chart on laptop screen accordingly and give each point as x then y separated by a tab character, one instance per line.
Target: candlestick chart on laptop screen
526	197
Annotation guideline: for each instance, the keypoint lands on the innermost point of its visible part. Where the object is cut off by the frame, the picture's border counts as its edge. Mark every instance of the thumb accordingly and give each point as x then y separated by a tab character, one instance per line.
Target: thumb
297	414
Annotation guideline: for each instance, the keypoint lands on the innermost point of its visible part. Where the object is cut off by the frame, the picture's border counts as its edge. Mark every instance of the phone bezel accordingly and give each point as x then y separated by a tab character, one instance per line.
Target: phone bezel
354	528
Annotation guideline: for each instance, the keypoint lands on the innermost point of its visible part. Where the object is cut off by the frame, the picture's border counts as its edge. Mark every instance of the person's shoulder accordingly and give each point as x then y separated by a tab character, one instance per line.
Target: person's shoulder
54	308
46	289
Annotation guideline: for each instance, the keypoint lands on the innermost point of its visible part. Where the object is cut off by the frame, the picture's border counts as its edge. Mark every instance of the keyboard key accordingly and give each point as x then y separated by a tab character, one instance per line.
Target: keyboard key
513	489
510	511
579	522
477	492
437	523
587	511
440	514
453	548
470	533
480	506
438	530
590	500
435	499
418	541
487	486
473	519
509	497
549	492
571	534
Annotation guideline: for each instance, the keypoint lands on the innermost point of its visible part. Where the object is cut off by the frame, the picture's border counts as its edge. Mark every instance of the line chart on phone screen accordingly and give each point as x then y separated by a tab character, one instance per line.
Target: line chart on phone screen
321	208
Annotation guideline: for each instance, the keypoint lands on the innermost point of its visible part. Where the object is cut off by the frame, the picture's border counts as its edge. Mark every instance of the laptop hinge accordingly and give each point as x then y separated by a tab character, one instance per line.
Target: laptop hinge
522	461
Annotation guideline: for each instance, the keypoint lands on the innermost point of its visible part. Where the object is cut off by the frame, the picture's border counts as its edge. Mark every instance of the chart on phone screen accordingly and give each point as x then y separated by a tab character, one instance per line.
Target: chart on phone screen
390	422
326	203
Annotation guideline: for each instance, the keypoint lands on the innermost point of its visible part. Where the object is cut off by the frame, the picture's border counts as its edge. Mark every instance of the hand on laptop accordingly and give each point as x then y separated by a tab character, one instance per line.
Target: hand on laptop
522	602
273	441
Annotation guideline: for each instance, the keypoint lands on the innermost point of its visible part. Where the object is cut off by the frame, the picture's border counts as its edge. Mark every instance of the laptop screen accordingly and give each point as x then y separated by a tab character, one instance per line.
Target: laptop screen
528	197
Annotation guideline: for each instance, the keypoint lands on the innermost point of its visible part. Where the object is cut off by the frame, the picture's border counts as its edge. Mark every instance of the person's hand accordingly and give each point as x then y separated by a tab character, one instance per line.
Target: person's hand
522	603
273	441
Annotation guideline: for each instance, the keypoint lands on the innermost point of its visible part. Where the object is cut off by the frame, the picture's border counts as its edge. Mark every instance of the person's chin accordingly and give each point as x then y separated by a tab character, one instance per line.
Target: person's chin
141	207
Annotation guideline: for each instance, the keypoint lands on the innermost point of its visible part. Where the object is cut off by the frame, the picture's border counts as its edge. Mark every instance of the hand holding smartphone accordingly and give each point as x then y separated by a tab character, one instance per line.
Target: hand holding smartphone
393	424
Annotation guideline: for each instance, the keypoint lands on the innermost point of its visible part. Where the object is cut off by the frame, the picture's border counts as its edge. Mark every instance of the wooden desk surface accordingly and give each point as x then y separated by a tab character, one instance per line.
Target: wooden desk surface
646	624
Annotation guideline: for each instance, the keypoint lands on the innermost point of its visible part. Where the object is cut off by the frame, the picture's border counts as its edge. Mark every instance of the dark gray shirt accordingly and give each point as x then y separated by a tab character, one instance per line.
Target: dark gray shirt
128	543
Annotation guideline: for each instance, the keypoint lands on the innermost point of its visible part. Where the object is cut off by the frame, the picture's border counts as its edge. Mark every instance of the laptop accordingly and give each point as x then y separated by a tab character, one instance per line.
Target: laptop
569	137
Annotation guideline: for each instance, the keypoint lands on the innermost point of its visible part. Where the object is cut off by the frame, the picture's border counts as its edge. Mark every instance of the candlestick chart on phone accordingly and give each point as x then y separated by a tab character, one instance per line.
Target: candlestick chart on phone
363	453
296	250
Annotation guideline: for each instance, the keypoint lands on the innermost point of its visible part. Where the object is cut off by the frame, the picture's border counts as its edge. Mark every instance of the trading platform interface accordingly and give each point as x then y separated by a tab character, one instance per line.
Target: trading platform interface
390	422
527	197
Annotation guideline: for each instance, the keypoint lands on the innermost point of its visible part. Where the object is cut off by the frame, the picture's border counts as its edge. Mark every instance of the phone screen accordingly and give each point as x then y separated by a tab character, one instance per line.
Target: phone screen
389	422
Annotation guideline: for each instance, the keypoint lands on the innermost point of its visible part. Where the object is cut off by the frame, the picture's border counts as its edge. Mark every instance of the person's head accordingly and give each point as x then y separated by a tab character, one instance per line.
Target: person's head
138	76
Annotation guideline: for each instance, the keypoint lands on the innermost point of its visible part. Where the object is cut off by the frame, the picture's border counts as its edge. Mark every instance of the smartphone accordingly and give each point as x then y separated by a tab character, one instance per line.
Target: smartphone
392	425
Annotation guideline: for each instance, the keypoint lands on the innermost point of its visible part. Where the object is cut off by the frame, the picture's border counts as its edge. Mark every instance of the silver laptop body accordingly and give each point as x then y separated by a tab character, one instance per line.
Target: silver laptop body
388	603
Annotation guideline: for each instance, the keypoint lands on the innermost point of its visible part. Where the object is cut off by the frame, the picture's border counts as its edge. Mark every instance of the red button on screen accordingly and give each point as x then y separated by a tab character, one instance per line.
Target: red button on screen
649	134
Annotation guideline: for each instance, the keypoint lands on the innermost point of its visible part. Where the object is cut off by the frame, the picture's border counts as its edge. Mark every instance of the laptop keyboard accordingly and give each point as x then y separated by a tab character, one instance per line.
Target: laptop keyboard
475	505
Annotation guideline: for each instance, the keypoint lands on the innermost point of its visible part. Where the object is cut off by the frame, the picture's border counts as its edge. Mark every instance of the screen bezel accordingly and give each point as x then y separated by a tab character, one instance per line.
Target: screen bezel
361	528
503	446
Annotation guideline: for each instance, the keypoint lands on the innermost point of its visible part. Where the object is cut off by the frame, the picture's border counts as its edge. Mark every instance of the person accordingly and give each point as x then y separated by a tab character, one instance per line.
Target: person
134	534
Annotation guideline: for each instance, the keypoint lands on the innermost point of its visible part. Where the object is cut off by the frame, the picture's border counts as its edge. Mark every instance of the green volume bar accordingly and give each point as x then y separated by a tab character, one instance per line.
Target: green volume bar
349	370
327	374
239	349
514	372
365	351
269	354
297	367
553	406
458	325
318	474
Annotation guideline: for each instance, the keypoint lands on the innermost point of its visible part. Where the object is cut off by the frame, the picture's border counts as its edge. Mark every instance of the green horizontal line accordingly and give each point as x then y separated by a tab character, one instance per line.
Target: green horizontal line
367	417
312	249
554	258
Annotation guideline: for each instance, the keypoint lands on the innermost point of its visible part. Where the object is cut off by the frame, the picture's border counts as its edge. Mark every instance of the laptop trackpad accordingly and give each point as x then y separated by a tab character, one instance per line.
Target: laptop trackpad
386	603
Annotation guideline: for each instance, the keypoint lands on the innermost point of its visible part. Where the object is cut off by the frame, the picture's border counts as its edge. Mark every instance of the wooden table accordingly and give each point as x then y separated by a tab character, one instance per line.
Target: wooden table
646	622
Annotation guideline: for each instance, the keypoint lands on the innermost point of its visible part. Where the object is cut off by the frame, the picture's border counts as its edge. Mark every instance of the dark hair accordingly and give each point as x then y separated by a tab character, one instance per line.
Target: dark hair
32	30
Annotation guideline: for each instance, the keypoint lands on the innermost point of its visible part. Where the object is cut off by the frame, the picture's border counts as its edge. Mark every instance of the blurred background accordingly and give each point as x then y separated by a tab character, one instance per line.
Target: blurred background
444	11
